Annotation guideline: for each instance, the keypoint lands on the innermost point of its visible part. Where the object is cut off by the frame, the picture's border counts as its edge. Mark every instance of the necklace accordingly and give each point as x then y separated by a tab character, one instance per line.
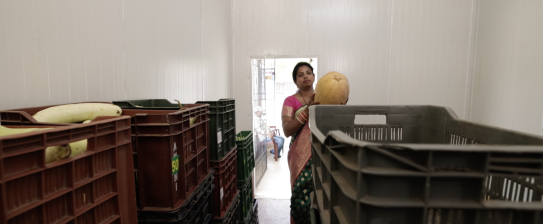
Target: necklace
302	97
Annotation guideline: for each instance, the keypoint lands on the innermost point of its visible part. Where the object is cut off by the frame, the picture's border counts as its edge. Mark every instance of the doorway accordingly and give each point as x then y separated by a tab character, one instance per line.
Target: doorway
272	84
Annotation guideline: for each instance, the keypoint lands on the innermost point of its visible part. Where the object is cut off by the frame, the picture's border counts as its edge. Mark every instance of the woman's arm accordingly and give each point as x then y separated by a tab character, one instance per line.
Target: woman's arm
292	125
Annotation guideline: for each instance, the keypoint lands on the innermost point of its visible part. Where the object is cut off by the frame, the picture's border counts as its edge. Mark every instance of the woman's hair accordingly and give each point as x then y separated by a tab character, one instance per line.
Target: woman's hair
300	64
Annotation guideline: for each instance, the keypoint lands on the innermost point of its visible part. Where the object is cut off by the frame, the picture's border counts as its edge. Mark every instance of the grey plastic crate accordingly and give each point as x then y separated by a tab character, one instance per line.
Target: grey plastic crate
425	165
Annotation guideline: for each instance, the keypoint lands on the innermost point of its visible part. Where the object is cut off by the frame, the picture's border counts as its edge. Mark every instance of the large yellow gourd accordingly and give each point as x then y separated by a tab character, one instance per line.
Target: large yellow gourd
332	88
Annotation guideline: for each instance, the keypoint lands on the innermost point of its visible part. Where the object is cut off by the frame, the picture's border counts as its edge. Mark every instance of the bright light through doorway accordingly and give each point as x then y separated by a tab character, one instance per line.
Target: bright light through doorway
277	85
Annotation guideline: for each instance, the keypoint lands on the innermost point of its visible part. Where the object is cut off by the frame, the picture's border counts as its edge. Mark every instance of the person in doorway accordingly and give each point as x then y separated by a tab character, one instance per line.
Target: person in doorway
263	131
295	117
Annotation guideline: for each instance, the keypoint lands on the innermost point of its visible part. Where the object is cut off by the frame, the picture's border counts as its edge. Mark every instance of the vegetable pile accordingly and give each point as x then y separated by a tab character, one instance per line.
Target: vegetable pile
68	113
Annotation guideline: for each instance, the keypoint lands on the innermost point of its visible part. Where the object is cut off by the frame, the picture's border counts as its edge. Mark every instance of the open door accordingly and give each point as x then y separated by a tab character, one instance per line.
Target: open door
259	118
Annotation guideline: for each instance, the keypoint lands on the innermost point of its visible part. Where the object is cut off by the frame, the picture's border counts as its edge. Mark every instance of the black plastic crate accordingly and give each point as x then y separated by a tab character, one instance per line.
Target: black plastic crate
423	166
231	215
148	104
246	200
252	214
196	209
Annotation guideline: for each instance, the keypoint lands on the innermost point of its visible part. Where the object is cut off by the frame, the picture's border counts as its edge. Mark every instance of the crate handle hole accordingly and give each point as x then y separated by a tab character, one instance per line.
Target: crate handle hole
370	119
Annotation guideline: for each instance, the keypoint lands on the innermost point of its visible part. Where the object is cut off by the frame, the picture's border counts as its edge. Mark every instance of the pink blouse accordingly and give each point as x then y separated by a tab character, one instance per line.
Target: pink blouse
290	106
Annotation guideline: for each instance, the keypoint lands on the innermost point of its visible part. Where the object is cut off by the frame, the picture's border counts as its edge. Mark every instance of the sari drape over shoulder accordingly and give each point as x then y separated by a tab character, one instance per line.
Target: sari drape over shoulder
300	152
299	161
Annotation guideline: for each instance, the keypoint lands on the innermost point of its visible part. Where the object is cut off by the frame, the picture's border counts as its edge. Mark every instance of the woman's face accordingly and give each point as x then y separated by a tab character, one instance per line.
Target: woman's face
304	77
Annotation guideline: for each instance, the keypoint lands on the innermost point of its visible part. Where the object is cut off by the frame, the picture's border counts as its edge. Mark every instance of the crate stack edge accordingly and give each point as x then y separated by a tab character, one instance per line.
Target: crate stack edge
246	167
95	186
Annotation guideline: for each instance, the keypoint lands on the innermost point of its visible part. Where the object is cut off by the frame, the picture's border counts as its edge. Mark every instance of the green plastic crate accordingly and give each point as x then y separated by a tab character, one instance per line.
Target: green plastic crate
230	104
220	106
245	201
222	127
245	141
245	156
246	165
152	104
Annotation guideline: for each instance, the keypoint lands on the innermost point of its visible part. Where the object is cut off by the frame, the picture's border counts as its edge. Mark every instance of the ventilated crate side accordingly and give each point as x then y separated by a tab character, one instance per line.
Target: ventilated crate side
423	165
94	186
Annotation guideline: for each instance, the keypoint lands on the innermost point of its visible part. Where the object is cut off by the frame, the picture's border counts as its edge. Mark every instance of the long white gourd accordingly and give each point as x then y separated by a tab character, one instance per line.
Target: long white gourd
54	153
73	113
78	147
13	131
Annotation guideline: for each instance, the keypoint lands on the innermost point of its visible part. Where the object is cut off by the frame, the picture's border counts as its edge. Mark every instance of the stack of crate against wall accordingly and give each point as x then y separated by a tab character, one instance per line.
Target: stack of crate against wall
246	166
224	157
66	172
171	153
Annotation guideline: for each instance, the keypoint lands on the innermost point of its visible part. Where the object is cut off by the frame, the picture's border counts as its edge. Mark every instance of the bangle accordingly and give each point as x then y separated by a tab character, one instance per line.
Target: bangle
305	115
299	120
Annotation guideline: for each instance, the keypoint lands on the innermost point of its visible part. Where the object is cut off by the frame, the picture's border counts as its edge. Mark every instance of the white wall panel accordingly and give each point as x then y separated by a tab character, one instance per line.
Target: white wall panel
5	85
509	77
171	57
216	49
15	54
393	52
64	51
354	38
430	52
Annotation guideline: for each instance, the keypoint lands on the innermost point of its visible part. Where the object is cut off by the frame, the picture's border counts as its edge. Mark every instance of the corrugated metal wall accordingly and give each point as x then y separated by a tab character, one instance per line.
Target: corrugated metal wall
508	87
393	52
66	51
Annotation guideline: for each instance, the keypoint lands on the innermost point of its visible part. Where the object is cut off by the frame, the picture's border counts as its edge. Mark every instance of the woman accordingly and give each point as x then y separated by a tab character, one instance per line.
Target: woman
295	117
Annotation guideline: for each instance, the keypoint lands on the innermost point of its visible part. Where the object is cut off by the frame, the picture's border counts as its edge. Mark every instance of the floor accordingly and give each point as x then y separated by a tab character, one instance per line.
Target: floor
271	211
273	192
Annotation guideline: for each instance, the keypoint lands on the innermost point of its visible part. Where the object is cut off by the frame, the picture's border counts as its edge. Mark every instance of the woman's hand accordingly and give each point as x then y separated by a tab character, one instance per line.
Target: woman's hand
292	125
310	103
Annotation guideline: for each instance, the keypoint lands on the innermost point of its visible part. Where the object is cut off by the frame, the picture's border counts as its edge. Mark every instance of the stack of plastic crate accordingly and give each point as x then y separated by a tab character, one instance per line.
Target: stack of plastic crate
96	186
171	157
226	196
246	164
196	209
424	165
